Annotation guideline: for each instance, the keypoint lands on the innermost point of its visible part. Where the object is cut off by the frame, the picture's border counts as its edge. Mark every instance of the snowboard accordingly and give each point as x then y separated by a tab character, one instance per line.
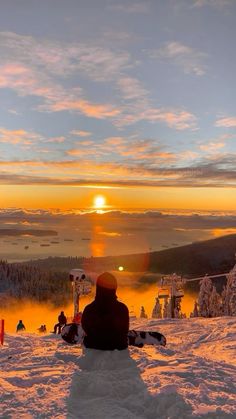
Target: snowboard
73	333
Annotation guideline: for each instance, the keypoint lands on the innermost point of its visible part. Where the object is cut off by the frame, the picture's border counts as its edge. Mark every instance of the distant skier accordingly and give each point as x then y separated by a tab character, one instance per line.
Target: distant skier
62	320
42	328
20	327
106	321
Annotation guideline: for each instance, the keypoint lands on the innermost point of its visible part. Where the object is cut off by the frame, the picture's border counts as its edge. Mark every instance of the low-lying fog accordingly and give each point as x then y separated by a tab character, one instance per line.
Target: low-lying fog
33	314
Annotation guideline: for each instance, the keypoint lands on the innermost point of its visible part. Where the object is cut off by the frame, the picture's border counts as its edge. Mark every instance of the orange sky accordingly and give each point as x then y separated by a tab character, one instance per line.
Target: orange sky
67	197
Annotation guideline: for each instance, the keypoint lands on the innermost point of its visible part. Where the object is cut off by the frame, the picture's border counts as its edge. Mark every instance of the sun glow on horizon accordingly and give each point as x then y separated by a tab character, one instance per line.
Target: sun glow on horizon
99	201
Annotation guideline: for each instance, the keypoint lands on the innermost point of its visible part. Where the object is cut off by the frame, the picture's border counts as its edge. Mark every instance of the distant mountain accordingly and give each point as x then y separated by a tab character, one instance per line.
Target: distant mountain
211	256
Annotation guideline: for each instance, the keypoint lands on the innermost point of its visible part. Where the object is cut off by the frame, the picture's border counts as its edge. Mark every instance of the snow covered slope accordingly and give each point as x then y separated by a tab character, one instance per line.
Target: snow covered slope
194	376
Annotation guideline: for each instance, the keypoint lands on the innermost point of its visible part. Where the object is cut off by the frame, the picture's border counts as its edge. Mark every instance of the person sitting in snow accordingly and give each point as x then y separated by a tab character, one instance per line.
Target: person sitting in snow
42	328
106	321
20	327
61	322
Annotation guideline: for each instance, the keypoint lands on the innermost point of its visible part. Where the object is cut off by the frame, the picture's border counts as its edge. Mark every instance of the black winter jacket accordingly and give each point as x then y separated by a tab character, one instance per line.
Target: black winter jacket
105	322
62	319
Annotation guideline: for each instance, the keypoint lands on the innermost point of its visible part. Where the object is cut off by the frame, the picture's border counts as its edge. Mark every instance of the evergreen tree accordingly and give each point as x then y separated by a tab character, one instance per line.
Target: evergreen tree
156	312
225	303
204	297
167	308
24	281
229	297
214	304
195	310
177	308
143	314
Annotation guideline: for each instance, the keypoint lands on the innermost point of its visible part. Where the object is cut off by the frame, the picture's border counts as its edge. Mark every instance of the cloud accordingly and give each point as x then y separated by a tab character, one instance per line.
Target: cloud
138	106
18	77
177	119
56	98
58	140
85	107
18	136
213	3
188	155
217	171
117	148
131	6
211	147
120	37
228	122
28	81
63	59
142	150
131	88
80	152
190	60
40	69
80	133
114	141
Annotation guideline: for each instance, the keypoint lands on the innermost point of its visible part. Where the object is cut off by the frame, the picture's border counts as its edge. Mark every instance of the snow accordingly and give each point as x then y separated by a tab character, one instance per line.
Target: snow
193	376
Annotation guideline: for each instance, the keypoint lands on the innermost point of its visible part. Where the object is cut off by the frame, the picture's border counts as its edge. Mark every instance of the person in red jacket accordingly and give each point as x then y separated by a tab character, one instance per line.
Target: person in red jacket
106	321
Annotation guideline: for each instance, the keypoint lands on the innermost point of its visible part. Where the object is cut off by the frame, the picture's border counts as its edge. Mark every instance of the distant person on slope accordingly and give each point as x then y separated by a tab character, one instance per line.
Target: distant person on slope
42	328
20	327
61	322
106	320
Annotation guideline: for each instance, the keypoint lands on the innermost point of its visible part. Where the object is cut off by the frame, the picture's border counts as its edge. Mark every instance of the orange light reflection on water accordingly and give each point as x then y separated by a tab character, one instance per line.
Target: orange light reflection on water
97	243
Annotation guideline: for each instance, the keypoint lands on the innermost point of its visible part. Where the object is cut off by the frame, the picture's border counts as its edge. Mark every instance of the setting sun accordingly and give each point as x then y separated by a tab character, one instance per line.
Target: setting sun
99	201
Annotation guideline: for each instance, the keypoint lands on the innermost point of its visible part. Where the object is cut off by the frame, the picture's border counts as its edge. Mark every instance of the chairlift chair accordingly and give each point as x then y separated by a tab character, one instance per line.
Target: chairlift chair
179	293
163	293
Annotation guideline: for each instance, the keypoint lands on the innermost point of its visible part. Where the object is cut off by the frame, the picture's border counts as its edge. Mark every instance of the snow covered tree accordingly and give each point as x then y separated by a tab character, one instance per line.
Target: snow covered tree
195	310
143	314
156	312
177	308
214	304
225	303
167	308
229	294
23	281
204	297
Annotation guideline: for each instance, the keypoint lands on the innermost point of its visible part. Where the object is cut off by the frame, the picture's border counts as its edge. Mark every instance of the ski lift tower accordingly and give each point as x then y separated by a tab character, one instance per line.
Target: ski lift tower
80	286
172	288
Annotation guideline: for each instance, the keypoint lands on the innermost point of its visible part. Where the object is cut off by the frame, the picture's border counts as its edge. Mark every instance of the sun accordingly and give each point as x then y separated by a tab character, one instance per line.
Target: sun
99	201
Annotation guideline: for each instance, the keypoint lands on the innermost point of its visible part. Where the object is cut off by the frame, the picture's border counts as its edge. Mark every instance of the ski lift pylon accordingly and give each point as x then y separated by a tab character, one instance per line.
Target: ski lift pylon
80	286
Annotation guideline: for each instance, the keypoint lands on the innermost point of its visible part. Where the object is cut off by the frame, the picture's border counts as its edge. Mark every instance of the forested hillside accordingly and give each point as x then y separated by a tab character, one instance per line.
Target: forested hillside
22	281
47	279
211	256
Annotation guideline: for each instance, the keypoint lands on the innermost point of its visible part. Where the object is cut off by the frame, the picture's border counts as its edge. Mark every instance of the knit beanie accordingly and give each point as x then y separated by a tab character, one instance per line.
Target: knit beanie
107	281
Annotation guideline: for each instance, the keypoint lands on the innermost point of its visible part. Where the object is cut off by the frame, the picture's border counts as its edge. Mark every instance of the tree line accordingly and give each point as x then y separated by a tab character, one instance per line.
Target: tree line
23	281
